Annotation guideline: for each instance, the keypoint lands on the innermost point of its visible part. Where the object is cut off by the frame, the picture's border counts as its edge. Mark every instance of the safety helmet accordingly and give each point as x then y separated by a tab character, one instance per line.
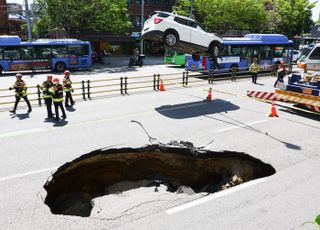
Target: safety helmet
283	62
66	72
19	75
49	77
56	80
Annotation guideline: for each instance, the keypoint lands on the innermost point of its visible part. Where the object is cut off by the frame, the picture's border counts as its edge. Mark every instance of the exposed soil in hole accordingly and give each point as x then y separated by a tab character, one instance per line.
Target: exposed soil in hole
99	173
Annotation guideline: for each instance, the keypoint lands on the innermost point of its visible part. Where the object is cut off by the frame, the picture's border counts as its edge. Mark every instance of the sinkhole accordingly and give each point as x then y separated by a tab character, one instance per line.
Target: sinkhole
75	184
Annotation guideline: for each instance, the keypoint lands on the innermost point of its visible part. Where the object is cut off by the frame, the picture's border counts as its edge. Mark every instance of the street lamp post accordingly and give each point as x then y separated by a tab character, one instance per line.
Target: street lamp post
191	8
28	20
142	22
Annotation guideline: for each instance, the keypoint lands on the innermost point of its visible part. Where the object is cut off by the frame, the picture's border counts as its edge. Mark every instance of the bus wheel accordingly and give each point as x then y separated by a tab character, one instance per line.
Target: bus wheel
196	57
60	67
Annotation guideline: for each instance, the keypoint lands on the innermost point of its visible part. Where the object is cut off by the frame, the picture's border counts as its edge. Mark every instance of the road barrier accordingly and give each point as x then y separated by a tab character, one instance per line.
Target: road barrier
91	89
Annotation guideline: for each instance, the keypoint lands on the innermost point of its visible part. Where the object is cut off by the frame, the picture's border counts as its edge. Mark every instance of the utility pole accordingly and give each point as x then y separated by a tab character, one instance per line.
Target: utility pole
142	22
191	8
28	20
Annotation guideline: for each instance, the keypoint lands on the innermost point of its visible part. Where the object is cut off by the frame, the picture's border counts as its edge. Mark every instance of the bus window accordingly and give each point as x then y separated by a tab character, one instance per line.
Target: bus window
59	51
42	52
265	52
27	52
315	54
279	52
78	50
11	53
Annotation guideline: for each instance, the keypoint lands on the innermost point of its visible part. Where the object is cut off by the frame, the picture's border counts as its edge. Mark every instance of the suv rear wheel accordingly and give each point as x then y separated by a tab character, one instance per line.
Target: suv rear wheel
215	49
170	38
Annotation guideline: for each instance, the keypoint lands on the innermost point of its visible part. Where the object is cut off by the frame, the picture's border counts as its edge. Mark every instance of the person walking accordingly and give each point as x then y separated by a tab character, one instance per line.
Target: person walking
57	98
47	96
281	72
254	69
20	88
67	87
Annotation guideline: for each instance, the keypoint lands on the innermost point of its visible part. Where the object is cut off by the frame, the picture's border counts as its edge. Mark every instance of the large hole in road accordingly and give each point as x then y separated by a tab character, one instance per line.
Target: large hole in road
74	185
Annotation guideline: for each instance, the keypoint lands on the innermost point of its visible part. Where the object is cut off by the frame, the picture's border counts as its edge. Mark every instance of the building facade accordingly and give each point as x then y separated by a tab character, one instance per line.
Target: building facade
4	28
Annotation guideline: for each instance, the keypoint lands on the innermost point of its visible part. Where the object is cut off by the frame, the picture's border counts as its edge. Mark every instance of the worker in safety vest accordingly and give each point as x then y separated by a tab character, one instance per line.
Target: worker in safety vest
67	87
20	88
47	95
254	69
57	97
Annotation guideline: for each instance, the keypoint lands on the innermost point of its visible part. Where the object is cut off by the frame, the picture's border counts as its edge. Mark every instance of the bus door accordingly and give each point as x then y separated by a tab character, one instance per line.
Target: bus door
79	55
252	52
265	58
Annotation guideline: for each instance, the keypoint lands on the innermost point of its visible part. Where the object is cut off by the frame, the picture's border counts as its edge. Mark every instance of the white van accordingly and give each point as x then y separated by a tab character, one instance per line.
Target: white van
310	57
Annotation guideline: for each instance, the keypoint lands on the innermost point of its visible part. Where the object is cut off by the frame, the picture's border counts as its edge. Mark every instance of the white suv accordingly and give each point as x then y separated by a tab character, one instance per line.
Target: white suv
181	34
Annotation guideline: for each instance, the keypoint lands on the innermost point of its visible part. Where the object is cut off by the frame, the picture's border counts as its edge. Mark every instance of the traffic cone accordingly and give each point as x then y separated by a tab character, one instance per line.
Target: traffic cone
209	97
273	112
161	87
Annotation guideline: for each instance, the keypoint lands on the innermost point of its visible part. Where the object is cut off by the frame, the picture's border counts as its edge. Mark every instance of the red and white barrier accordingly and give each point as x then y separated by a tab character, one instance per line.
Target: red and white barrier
261	95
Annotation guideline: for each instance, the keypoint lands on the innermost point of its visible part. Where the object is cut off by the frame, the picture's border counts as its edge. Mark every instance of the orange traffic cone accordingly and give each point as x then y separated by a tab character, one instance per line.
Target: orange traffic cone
273	112
161	87
209	97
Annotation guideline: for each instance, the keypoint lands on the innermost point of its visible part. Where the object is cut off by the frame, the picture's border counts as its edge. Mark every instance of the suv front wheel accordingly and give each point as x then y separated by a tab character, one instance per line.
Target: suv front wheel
170	39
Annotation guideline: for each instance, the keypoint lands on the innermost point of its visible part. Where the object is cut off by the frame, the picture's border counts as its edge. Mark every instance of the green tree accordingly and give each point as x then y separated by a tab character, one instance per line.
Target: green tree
79	17
224	15
293	17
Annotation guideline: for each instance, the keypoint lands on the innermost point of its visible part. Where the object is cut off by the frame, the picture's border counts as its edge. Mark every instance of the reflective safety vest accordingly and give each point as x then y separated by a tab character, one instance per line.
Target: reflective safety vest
67	84
45	87
20	88
57	92
254	68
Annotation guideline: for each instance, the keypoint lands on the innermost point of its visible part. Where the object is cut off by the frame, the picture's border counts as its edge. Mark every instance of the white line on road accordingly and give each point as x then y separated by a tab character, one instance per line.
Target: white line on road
21	132
214	196
27	174
239	126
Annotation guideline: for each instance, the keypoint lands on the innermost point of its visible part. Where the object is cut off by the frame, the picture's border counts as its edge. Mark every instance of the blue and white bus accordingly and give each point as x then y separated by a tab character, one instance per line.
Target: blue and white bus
54	54
268	49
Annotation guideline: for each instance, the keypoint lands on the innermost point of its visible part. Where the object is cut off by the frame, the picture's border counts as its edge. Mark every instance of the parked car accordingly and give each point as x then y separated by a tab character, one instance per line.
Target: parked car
181	34
295	54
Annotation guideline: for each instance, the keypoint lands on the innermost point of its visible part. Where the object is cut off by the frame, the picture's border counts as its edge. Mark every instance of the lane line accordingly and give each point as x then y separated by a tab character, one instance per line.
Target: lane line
214	196
27	174
240	126
21	132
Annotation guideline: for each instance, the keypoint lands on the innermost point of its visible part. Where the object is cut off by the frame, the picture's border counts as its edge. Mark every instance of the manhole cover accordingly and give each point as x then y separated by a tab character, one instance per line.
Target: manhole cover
179	166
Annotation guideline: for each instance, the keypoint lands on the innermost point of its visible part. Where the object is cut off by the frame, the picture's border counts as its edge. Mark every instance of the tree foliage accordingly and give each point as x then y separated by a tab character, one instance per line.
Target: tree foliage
293	17
223	15
79	17
290	17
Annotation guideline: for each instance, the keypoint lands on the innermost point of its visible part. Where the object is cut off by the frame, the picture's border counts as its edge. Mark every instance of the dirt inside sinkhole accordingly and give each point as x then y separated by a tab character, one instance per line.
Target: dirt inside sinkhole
75	184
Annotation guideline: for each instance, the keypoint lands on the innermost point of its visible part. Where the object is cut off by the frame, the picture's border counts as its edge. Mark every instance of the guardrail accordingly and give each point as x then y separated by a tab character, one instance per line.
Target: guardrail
91	89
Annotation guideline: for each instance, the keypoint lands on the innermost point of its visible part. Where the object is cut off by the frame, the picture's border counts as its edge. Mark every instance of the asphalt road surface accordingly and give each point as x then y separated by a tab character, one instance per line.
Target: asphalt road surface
31	149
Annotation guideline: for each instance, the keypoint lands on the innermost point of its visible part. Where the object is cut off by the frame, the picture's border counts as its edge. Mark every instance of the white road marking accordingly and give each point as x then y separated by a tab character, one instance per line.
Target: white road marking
239	126
21	132
27	174
214	196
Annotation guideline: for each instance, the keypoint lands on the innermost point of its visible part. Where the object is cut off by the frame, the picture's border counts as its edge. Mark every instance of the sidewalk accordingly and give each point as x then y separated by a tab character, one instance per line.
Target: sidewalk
124	60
